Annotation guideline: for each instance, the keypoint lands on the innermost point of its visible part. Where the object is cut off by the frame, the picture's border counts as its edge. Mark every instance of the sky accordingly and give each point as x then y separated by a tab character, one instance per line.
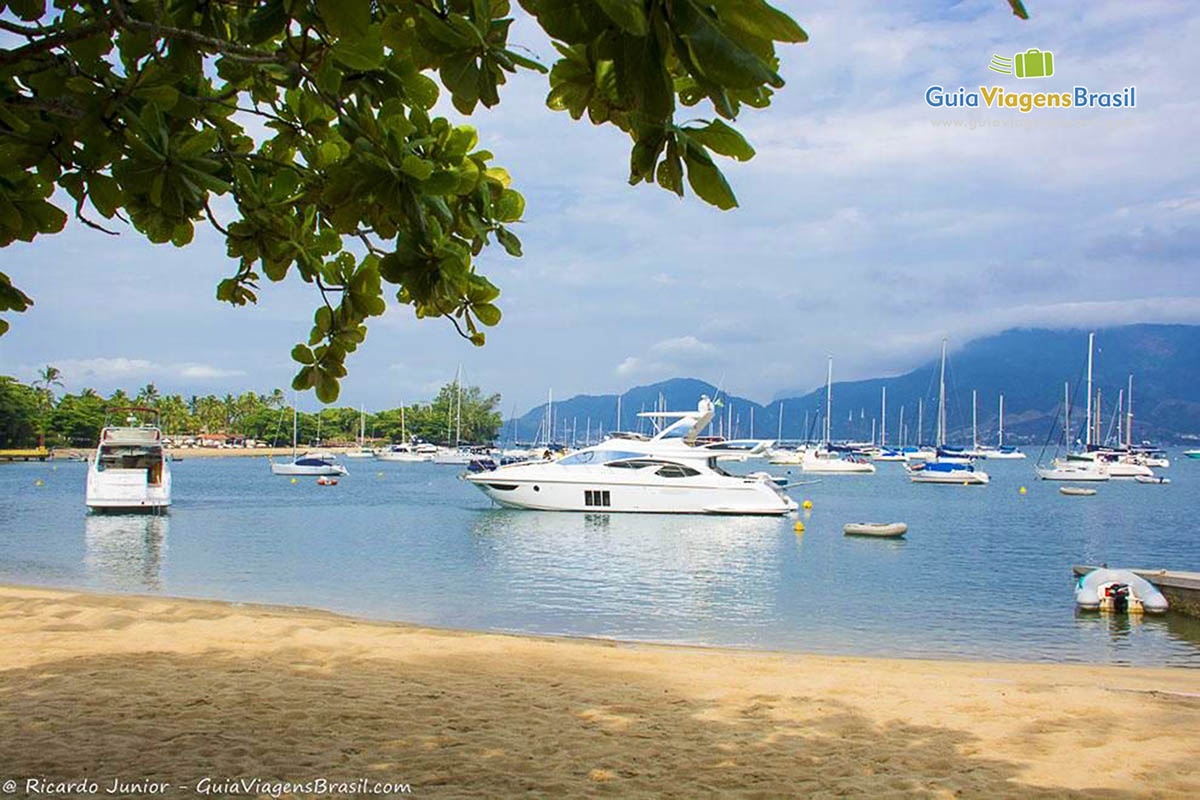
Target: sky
870	226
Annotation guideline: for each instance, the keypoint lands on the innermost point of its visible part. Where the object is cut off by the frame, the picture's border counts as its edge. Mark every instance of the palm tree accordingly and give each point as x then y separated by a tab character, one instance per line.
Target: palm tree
47	379
148	395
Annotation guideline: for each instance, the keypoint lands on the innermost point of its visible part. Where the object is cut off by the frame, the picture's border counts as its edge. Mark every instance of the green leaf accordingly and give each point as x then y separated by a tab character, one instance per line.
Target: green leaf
716	55
706	180
760	19
509	241
417	167
629	14
487	313
721	138
361	53
345	18
303	355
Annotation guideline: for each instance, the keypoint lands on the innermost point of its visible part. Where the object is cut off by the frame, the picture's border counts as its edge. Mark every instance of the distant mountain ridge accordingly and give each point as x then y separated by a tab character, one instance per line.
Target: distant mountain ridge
1029	366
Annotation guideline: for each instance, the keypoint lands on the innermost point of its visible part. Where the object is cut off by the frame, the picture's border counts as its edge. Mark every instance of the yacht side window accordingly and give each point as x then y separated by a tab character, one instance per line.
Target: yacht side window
676	471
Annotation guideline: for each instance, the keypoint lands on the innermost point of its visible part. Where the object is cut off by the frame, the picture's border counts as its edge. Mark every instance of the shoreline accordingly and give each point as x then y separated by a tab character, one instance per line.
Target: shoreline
467	713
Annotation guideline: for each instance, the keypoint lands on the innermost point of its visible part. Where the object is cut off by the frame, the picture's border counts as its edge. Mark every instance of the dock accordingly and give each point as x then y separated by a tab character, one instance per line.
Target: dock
1182	589
28	454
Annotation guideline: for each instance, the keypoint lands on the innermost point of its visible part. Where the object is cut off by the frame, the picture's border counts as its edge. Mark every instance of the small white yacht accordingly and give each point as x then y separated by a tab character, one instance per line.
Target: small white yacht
408	453
947	473
130	471
361	451
671	473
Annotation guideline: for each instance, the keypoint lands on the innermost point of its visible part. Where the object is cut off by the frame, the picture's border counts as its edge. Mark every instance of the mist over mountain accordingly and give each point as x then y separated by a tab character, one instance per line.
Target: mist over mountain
1029	366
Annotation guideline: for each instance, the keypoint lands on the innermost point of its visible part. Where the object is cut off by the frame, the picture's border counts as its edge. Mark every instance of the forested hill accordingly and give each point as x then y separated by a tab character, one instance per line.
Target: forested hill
1029	366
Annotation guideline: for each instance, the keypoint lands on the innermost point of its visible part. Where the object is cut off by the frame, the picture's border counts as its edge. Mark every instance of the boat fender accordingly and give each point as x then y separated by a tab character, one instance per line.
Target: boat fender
800	525
807	504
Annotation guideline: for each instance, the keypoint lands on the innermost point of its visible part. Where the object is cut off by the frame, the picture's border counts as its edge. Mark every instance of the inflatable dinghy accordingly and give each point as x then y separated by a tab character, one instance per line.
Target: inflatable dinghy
887	530
1118	591
1076	491
1151	479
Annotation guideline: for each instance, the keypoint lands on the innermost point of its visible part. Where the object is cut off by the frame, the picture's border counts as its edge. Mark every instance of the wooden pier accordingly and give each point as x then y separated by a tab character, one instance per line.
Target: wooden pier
29	454
1182	589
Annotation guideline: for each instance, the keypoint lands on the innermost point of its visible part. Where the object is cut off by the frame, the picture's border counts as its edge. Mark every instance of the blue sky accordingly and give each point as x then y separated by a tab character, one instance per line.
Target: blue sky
865	229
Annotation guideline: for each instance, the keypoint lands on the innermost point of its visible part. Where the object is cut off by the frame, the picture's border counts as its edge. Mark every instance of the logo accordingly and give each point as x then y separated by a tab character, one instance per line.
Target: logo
1033	63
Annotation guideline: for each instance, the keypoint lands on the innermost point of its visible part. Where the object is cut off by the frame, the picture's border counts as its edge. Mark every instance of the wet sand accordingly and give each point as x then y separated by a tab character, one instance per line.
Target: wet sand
124	687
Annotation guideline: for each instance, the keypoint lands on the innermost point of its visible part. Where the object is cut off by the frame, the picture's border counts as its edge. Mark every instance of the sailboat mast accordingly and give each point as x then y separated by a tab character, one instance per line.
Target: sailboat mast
941	431
1002	419
458	419
618	414
883	417
780	434
1087	441
751	422
974	424
920	420
1129	415
1067	414
403	432
829	402
295	425
902	437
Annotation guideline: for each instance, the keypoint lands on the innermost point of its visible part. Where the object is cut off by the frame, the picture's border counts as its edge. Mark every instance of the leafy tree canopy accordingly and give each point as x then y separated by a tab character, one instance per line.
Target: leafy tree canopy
137	110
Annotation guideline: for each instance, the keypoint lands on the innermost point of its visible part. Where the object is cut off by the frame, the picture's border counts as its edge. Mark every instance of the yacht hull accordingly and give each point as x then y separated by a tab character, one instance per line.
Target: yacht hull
750	497
300	469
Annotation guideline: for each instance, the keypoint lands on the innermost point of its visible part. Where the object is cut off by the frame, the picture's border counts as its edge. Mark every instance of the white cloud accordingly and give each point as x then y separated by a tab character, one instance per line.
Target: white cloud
119	370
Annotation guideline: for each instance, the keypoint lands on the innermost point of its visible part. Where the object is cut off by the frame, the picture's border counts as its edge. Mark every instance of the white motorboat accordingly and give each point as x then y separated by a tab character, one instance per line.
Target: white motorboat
671	473
129	471
453	455
1151	479
410	453
1076	491
308	464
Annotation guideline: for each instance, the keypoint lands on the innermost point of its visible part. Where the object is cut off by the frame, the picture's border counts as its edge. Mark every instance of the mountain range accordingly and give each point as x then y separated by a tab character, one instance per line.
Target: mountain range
1029	366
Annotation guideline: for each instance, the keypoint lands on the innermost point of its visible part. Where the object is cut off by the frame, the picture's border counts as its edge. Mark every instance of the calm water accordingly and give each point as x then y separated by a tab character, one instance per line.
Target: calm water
984	573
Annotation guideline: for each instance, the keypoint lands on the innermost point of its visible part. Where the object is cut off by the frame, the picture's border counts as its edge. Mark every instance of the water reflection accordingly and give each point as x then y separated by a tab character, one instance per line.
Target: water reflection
125	551
634	574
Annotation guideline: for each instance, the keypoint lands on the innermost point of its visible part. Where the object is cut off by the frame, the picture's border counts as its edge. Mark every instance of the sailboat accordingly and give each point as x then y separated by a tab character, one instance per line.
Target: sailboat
309	463
1000	451
361	451
458	454
823	459
945	468
1068	469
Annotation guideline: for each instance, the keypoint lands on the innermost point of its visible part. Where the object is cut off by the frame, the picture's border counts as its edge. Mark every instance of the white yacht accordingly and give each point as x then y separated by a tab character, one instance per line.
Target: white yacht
671	473
408	453
130	471
950	466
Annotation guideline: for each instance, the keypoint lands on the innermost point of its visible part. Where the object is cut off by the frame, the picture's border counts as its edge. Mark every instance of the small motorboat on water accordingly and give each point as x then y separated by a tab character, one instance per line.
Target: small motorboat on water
883	530
1076	491
1118	591
1151	479
326	480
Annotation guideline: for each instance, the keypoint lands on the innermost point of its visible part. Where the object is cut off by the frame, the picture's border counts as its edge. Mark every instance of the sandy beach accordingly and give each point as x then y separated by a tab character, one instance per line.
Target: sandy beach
135	688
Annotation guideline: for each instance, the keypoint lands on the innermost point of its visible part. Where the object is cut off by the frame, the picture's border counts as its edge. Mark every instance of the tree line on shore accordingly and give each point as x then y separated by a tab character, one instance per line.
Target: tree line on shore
41	412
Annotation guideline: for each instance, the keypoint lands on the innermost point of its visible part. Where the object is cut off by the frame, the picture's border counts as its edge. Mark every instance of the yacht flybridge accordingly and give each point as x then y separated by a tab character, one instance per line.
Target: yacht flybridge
670	473
129	471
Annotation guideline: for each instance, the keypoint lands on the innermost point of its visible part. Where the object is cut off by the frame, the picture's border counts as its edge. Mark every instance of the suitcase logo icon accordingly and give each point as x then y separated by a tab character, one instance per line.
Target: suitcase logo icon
1033	63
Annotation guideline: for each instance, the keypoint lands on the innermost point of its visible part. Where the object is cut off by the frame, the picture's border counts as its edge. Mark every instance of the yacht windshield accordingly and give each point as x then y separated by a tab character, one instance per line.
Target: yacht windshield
595	457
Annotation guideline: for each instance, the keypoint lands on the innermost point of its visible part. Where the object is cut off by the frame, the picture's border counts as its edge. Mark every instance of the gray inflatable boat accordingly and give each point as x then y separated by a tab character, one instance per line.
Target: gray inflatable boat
1119	591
